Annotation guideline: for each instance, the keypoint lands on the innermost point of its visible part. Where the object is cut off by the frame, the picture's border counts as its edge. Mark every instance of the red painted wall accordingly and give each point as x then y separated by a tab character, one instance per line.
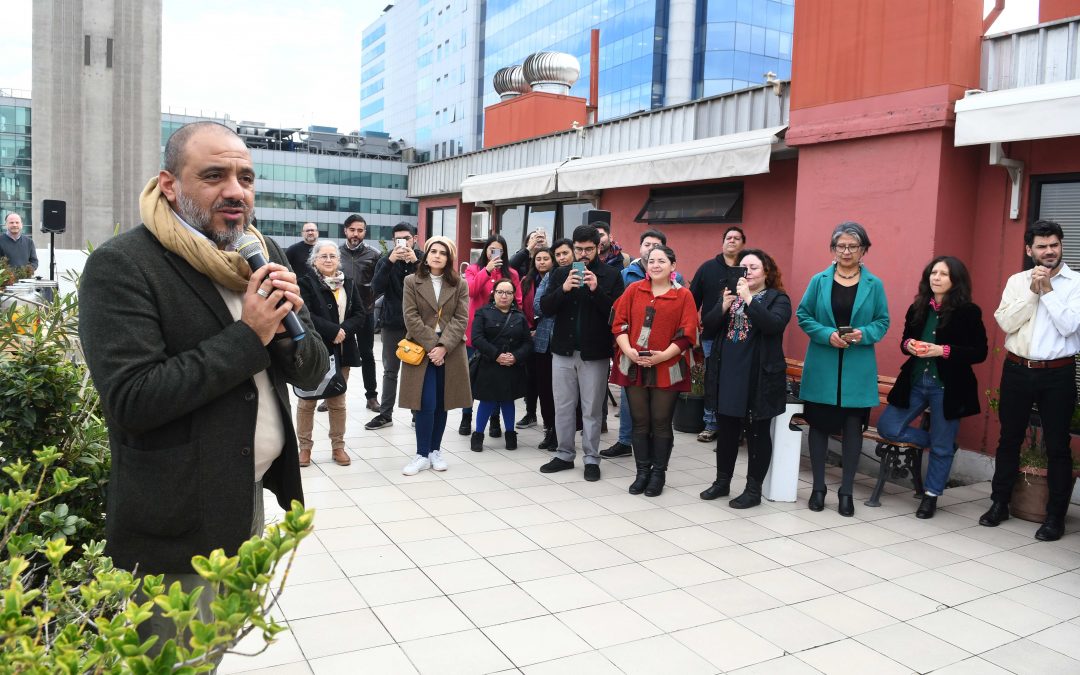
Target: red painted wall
530	115
1052	10
845	50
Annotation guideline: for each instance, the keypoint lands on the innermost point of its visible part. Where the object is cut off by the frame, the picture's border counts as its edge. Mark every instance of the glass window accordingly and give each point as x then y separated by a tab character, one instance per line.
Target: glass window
442	222
698	204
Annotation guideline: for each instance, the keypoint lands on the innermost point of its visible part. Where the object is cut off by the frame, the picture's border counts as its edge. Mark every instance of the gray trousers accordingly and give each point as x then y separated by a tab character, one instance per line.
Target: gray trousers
572	380
391	365
163	627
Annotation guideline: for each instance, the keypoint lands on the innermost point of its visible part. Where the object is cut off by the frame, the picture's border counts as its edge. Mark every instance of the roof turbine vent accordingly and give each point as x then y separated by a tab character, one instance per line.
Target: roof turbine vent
510	82
552	72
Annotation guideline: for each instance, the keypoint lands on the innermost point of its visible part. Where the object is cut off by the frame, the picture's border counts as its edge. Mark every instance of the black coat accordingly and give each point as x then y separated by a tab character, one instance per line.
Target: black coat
966	336
359	265
175	373
582	317
324	315
770	317
495	333
389	282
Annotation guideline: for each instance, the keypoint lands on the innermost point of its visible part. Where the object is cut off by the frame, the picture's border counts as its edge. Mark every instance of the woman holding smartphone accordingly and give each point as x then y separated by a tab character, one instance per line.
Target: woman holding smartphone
844	312
481	277
943	337
655	324
501	335
435	305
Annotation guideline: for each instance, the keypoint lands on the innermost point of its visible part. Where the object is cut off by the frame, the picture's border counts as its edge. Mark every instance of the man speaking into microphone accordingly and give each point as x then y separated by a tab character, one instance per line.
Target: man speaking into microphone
187	347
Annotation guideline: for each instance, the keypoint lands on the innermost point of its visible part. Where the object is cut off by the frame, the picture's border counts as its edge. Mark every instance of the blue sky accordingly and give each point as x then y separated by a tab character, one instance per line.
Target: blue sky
280	62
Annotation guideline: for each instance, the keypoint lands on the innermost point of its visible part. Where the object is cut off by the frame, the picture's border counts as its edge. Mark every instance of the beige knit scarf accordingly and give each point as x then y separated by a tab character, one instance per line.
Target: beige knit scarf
227	268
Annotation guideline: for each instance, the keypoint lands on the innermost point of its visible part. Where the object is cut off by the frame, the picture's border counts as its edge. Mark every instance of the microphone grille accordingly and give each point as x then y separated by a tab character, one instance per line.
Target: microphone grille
248	245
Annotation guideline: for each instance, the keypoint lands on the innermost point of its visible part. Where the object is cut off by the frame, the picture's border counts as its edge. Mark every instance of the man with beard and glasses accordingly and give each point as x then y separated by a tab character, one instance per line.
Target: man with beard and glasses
1040	314
186	347
299	252
358	262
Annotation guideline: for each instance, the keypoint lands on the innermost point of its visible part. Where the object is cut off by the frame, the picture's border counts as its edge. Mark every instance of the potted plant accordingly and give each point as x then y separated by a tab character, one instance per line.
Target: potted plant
690	408
1030	493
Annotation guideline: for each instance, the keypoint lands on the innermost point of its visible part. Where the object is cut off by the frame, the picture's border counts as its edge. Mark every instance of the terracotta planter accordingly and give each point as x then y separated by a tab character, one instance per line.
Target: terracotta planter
1030	494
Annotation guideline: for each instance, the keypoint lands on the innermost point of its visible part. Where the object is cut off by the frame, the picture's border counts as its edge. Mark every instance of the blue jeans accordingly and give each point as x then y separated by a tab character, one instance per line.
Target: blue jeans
485	411
431	417
626	420
894	425
710	415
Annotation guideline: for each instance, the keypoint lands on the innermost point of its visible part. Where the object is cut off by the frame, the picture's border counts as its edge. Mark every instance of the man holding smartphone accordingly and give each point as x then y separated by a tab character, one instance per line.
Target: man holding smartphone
1040	314
580	297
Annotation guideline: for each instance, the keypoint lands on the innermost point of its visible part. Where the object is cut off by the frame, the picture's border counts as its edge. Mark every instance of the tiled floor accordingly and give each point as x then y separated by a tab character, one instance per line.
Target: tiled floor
494	567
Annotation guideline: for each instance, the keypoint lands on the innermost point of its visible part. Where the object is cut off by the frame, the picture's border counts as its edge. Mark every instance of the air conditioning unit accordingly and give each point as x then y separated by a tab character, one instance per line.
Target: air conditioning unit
480	226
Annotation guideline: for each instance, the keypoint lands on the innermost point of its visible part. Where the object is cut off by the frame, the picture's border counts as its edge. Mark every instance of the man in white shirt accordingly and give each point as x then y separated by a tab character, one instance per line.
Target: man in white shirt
1040	314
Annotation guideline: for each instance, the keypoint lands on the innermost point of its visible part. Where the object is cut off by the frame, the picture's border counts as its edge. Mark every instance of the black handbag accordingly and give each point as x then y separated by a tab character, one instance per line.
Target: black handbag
332	384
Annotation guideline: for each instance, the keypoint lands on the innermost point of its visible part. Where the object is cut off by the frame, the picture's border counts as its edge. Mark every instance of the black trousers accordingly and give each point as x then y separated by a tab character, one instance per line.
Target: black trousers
365	341
758	445
652	409
1054	391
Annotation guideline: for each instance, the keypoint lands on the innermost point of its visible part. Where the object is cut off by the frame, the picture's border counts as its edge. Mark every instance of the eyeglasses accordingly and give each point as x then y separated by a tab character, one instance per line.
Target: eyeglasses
504	292
847	248
584	251
326	256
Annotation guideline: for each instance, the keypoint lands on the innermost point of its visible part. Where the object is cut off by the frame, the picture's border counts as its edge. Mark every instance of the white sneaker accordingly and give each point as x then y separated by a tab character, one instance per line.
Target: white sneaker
438	462
418	464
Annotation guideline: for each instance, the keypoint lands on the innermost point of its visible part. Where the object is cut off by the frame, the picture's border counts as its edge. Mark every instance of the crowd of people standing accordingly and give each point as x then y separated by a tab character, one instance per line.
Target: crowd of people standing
556	323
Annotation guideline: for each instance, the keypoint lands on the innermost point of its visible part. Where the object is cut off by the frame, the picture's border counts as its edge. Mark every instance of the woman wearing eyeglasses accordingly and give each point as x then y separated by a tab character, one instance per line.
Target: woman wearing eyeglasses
844	312
500	333
337	314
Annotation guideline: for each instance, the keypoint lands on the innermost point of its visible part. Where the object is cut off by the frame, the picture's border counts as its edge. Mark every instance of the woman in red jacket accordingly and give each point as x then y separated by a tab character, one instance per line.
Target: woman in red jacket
656	322
481	277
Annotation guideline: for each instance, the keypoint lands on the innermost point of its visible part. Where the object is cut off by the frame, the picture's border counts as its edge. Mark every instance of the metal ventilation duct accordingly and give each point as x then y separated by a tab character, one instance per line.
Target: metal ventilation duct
553	72
510	82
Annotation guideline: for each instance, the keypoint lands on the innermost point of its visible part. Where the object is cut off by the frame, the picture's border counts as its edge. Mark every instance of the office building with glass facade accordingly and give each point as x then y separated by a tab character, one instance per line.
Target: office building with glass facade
652	53
15	155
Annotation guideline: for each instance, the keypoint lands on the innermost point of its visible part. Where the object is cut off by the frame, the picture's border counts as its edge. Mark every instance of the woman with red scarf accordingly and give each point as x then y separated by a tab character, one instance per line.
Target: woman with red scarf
656	323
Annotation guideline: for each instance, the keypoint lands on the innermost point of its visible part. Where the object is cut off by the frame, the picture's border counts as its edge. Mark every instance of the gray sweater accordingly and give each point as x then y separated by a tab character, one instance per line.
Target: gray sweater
19	252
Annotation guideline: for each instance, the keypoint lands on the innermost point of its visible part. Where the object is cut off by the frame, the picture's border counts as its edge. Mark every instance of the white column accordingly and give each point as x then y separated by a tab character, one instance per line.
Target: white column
679	77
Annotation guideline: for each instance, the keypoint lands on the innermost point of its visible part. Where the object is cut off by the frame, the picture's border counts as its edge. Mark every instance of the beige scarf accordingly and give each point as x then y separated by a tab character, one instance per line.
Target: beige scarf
227	268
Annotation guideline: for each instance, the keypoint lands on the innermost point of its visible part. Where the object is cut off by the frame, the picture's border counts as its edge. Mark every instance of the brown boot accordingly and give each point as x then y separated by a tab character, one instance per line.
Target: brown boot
341	457
305	457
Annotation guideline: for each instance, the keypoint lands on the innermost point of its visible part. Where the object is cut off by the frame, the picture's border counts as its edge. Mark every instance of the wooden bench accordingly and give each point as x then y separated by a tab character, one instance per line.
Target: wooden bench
896	460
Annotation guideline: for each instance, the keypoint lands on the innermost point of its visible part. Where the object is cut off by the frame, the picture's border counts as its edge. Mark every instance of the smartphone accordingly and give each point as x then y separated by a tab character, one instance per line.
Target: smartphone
400	243
579	269
734	274
542	233
496	253
844	330
644	353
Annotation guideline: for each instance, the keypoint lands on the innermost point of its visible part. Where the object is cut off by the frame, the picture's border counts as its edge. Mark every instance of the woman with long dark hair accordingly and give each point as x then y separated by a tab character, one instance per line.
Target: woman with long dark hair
655	323
561	253
529	284
501	336
749	358
844	313
943	337
435	304
481	276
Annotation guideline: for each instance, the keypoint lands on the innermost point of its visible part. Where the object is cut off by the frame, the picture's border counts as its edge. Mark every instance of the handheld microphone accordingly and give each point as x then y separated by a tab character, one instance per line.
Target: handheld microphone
250	247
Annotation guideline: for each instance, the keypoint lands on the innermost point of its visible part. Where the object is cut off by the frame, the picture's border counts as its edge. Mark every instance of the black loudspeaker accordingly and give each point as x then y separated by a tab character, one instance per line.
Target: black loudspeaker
53	216
595	215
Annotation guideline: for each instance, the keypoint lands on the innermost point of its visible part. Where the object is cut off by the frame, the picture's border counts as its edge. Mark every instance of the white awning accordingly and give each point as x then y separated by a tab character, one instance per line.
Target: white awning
1021	114
533	181
742	154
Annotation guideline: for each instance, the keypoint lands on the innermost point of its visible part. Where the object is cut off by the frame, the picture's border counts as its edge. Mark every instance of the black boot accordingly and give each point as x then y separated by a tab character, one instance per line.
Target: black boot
495	428
721	487
549	442
817	500
476	443
643	460
846	505
465	428
661	453
927	507
997	514
751	496
511	440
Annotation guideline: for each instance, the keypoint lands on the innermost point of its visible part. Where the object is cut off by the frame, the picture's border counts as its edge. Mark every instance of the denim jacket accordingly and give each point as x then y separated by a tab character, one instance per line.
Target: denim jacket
544	324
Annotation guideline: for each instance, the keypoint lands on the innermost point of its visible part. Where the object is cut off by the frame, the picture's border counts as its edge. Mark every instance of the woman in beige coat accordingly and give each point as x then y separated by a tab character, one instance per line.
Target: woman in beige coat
435	304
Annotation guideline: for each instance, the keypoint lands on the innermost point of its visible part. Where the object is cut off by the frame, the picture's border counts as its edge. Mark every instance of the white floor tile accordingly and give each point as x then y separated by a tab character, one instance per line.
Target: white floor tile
498	542
738	560
373	560
1031	658
501	604
1036	596
551	535
912	647
421	618
469	652
849	656
607	625
734	597
674	610
569	591
589	663
398	586
694	538
944	589
316	599
1008	615
845	614
686	569
646	546
338	633
789	629
787	585
468	575
836	574
629	581
728	645
390	660
589	555
529	565
660	654
963	630
896	601
785	551
1064	638
437	551
531	641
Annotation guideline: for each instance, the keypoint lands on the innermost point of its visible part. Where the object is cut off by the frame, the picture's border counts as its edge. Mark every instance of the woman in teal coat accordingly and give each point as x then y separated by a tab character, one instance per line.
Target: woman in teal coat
844	312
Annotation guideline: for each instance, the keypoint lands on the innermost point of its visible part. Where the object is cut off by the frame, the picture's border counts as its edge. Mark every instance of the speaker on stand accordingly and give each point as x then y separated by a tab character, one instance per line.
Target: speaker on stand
53	222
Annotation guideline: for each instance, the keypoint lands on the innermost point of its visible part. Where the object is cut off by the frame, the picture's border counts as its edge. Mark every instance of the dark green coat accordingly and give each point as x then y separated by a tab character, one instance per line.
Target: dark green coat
175	374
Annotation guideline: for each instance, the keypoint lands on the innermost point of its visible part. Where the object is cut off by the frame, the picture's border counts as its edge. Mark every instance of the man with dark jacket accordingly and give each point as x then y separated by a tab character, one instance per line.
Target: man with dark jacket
581	347
299	252
186	347
389	282
358	261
